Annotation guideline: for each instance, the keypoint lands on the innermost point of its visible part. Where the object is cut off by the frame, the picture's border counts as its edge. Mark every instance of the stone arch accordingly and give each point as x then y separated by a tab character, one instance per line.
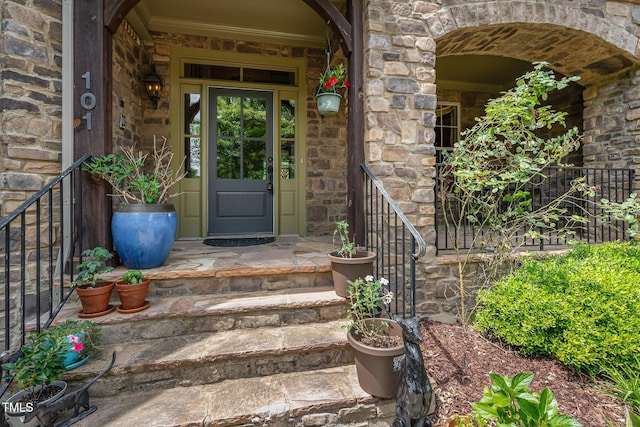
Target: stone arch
574	40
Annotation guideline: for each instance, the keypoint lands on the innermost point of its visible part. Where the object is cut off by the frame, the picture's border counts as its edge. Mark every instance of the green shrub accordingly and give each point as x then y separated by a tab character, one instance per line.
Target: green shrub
582	307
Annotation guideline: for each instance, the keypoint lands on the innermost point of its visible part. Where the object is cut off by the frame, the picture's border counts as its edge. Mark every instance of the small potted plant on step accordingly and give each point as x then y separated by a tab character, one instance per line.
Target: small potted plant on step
83	338
93	291
132	290
348	262
376	341
38	374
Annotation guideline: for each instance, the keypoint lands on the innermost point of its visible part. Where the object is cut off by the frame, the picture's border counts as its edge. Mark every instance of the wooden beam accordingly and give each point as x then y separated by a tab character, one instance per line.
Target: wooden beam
336	21
355	125
115	12
92	114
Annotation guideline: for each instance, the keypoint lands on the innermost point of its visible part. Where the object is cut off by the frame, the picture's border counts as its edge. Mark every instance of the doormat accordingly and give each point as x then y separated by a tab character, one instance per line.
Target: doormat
238	241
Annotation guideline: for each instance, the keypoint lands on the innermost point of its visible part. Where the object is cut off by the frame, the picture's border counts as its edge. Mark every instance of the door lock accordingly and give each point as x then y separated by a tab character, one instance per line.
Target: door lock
270	172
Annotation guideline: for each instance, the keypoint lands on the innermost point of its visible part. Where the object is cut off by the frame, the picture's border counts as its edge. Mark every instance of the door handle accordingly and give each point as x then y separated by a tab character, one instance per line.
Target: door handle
270	183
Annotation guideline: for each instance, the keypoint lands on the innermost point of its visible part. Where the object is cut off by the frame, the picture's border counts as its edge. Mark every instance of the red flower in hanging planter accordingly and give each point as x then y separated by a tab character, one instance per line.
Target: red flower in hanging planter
333	79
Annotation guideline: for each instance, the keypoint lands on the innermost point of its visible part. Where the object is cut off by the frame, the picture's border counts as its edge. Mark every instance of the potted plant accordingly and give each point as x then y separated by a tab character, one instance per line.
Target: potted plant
93	291
327	97
38	374
83	338
348	262
132	290
376	341
144	223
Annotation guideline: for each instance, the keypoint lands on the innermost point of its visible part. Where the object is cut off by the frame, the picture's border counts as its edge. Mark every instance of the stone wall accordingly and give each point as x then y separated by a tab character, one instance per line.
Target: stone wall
595	40
128	89
30	132
30	99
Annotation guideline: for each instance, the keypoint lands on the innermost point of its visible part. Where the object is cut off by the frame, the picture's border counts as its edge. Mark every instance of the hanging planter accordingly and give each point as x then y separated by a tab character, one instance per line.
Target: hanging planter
328	103
333	79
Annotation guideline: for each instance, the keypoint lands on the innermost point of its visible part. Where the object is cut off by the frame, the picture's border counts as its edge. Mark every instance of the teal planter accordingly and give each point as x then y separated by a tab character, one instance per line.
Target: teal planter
328	103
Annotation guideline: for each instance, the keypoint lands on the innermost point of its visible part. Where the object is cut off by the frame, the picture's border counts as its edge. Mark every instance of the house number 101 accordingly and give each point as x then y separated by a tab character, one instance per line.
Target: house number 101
87	100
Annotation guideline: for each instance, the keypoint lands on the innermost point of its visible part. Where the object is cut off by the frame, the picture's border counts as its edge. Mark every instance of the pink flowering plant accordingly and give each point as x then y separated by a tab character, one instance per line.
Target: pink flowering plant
44	354
333	79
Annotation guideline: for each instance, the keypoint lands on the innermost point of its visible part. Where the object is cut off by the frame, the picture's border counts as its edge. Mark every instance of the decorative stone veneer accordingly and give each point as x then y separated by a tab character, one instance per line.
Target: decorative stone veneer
30	99
127	78
30	123
597	40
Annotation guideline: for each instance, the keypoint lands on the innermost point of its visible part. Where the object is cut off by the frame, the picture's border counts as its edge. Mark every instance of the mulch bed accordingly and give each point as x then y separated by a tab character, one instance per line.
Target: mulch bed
458	361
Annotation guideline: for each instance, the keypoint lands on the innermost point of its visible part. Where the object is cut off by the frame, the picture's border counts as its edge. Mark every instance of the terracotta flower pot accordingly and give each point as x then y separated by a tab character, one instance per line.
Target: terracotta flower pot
132	296
343	269
378	369
95	301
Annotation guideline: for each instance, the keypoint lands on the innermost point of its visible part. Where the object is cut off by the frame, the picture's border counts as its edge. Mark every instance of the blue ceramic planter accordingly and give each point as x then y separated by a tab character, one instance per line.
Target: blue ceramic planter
143	234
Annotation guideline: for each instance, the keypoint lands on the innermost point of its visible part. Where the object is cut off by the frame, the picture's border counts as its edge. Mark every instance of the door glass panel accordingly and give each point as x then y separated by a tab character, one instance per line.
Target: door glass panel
287	139
228	116
253	159
228	159
254	115
192	134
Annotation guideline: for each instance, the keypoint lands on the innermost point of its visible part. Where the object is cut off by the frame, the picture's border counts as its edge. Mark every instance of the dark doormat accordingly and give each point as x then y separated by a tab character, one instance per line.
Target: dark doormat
238	241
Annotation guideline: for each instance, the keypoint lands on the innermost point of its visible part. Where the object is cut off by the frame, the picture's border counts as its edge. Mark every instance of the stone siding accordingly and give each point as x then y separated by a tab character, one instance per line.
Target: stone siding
403	39
128	90
30	99
30	131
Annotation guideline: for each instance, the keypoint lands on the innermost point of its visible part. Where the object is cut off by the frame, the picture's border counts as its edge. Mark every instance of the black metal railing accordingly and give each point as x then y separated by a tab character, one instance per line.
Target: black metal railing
613	184
37	243
396	243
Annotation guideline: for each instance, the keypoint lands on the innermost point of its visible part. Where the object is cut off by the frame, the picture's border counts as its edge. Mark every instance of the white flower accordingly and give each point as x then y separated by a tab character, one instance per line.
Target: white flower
368	278
384	282
386	298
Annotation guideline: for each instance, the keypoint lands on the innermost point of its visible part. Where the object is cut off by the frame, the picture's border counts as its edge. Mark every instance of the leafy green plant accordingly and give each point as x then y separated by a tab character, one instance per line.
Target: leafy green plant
510	402
367	298
332	79
489	179
42	362
92	265
627	211
471	420
132	277
88	332
582	307
135	181
347	248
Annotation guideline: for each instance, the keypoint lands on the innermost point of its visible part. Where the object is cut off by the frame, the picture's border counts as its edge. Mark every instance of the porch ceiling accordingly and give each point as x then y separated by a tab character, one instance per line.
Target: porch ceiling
252	20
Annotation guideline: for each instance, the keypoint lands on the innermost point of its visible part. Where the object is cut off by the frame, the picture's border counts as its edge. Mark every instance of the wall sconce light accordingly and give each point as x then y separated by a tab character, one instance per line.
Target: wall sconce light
153	86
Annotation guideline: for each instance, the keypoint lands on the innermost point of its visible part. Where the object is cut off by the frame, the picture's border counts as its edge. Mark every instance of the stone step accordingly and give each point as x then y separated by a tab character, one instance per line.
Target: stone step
237	281
172	316
323	397
193	359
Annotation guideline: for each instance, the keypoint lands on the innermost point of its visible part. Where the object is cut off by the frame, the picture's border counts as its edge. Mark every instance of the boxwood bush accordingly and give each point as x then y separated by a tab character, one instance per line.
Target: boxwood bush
582	307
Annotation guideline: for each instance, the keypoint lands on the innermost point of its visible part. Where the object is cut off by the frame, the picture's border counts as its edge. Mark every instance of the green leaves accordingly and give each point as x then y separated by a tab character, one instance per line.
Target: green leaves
582	308
93	265
509	402
43	360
